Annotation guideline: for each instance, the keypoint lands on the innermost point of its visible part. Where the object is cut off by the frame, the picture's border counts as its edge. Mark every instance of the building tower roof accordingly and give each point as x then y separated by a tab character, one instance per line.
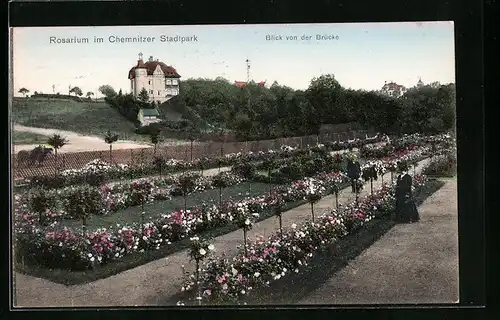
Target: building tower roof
150	66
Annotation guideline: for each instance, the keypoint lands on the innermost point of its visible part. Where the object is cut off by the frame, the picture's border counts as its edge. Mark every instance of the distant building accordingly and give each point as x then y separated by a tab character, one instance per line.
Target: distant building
420	83
148	116
241	84
393	89
160	80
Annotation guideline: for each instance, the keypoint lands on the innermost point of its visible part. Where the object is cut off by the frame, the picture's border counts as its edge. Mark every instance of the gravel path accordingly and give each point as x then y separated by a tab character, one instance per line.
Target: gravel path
153	283
412	263
79	142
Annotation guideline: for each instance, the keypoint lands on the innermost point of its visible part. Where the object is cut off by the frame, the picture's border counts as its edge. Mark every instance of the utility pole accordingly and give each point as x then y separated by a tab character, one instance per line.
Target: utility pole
248	70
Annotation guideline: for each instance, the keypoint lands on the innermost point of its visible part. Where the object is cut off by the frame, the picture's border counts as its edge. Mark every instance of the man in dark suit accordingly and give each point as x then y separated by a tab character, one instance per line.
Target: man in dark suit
353	171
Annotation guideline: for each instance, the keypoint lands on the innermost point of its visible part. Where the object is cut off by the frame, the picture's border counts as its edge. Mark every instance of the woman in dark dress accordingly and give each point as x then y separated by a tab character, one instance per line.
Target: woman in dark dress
406	210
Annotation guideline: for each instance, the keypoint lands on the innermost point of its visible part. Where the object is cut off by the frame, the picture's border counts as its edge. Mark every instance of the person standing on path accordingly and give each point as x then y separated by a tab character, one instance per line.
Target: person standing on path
353	171
406	210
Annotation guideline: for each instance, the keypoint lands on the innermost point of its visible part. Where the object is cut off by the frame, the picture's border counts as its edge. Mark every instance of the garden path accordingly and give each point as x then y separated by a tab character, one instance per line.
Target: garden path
411	263
153	283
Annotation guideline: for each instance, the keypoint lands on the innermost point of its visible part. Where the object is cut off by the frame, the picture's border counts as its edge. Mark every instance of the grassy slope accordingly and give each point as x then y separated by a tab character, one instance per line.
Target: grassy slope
80	117
28	138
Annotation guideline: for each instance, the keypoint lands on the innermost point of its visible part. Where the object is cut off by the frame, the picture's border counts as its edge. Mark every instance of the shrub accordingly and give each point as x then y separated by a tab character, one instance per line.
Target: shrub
444	166
244	169
83	201
41	200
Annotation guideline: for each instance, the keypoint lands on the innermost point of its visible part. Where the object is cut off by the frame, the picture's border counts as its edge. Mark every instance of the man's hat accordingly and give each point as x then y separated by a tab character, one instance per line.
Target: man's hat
402	166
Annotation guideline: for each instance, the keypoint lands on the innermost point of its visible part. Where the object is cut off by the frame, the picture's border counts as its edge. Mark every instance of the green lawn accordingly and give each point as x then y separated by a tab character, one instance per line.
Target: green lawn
82	117
155	209
28	138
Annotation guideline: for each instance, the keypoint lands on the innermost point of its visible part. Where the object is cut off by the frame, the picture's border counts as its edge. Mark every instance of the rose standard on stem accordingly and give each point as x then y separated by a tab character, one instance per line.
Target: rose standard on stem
199	249
314	191
275	200
243	220
140	192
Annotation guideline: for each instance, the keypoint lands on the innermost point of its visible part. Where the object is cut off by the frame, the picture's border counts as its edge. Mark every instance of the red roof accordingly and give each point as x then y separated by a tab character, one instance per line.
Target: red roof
243	83
150	66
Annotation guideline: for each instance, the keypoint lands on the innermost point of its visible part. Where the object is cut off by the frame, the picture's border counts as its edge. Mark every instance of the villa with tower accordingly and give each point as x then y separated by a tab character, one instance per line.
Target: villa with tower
161	81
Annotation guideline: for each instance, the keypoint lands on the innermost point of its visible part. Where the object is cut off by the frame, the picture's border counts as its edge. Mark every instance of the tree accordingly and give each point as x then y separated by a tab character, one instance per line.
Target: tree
143	96
89	94
56	142
110	138
107	91
323	94
155	139
23	91
191	136
77	91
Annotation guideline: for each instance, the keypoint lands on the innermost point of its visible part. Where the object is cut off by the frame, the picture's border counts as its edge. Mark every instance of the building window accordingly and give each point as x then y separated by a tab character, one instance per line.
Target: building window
159	92
169	82
149	82
174	82
150	91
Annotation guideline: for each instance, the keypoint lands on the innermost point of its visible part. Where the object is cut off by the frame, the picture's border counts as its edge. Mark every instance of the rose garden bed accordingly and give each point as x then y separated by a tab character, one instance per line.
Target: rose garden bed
50	241
72	244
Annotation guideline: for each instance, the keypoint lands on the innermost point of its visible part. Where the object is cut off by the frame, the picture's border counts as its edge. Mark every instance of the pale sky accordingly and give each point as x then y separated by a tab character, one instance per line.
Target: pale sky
363	57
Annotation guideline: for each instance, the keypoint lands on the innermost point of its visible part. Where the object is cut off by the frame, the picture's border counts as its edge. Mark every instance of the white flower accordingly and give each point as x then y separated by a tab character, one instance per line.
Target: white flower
256	274
202	251
247	222
234	271
294	226
92	259
211	247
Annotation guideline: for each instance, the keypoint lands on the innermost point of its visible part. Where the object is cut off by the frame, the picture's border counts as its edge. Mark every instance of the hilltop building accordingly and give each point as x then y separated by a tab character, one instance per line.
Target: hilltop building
160	80
393	89
420	83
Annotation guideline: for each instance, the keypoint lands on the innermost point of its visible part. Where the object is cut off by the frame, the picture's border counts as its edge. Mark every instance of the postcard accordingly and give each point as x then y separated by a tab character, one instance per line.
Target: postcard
210	165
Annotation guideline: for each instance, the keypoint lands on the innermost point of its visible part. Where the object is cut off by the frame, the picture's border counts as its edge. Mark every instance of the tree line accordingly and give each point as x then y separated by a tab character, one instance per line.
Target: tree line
255	112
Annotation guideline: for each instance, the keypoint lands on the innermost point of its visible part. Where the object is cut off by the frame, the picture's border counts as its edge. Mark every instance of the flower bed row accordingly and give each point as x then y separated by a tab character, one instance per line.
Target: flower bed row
221	280
56	204
406	143
98	171
442	165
